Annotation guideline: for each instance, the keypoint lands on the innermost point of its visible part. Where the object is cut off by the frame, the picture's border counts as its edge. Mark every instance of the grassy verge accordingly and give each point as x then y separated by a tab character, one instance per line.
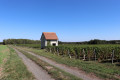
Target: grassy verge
14	69
4	52
56	73
103	70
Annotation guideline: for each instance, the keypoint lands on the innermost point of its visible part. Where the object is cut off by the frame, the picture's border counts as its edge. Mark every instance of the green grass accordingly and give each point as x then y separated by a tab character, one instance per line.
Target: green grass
56	73
4	52
14	68
103	70
30	45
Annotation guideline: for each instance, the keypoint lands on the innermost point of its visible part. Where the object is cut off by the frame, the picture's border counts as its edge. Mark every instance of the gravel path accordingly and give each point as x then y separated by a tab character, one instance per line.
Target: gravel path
36	70
75	72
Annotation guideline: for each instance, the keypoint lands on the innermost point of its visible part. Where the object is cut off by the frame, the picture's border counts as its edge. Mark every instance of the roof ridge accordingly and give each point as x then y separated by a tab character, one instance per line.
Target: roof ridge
48	32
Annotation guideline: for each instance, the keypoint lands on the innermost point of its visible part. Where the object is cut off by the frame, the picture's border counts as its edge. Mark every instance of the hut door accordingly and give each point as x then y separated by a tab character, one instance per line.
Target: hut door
54	44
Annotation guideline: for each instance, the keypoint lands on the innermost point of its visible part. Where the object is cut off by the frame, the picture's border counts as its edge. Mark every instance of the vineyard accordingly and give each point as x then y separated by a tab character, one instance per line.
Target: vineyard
88	52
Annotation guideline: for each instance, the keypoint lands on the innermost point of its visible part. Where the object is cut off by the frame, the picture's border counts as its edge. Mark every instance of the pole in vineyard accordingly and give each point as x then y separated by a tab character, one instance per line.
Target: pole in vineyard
95	54
69	54
57	52
113	56
50	49
83	54
54	50
62	52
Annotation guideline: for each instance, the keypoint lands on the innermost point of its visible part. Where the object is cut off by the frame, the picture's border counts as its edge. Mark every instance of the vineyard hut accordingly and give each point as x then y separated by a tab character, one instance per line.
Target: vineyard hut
49	39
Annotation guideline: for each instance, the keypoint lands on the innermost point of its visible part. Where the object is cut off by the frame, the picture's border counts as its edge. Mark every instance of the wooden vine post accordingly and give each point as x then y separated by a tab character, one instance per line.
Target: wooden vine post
54	50
69	54
113	56
57	52
84	54
50	49
95	54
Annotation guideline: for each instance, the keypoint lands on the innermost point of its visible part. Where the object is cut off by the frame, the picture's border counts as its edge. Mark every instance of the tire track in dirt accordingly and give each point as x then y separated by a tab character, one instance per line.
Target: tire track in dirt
36	70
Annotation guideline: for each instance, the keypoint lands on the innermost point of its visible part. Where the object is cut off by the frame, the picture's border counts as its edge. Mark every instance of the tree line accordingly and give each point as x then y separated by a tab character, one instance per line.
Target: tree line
28	41
20	41
95	41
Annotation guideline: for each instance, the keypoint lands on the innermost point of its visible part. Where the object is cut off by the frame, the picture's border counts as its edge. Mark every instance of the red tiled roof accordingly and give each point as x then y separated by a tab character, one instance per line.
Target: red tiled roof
50	36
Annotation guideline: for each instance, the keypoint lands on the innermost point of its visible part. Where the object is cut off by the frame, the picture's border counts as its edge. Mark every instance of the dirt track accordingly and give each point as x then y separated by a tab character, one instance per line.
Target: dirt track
75	72
36	70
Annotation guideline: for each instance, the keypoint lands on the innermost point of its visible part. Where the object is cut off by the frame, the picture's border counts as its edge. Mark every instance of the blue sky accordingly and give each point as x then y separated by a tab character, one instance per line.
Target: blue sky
72	20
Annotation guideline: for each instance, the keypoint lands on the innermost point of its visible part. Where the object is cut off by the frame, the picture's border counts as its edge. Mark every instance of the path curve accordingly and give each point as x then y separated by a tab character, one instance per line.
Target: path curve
36	70
74	72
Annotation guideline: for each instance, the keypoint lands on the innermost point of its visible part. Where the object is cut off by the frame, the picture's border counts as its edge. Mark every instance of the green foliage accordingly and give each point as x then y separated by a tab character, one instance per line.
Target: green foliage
1	43
48	43
102	52
38	46
20	41
95	41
